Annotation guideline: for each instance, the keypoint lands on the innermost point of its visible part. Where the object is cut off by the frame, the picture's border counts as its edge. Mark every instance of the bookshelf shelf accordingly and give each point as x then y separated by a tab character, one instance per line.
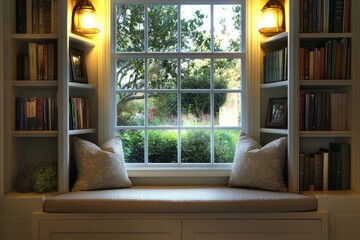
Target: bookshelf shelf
82	131
74	38
274	131
311	36
34	37
275	40
281	84
35	84
74	85
326	83
325	134
39	133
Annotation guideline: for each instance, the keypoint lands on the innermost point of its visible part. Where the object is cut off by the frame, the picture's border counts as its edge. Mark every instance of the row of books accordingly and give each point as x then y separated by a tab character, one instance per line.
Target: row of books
36	16
328	169
275	66
325	16
79	113
39	63
35	113
330	61
323	110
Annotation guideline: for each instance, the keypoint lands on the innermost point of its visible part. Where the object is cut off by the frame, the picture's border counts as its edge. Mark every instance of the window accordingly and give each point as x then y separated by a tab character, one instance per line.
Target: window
178	71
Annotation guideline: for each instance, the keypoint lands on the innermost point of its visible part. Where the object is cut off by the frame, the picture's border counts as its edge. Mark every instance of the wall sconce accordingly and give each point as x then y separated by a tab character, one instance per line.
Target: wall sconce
83	18
271	18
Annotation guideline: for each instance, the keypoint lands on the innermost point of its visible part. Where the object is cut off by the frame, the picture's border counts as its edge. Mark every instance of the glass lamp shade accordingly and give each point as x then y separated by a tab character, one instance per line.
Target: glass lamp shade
271	18
84	18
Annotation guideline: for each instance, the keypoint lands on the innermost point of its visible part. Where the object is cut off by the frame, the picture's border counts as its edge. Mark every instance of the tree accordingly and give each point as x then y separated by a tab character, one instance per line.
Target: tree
161	32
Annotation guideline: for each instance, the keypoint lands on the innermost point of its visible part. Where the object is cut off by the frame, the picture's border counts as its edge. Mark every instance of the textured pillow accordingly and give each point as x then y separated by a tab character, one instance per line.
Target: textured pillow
259	167
100	167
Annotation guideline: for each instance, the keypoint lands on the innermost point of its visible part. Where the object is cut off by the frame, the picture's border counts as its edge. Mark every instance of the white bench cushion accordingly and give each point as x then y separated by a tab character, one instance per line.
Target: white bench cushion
179	199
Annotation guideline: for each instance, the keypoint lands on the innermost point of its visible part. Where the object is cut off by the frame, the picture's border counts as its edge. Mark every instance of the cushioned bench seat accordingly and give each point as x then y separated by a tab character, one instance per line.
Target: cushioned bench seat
179	199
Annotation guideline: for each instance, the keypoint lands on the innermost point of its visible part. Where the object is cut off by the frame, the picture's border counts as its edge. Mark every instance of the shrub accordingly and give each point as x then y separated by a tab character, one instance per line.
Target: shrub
195	146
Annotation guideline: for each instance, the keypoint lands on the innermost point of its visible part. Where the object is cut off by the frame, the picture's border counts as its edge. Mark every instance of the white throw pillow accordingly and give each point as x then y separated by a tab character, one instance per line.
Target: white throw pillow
100	167
259	167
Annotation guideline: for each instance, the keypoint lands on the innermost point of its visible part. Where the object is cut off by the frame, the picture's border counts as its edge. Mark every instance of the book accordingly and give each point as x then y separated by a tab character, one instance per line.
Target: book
35	16
20	6
40	61
342	159
39	113
301	172
325	153
29	16
47	16
318	172
31	113
32	61
338	16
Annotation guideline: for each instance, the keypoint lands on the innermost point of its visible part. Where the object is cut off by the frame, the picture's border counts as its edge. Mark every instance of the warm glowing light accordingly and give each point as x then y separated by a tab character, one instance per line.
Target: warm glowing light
271	18
84	18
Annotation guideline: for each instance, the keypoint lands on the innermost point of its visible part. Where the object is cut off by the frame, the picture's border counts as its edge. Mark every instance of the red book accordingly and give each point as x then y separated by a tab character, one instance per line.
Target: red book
39	114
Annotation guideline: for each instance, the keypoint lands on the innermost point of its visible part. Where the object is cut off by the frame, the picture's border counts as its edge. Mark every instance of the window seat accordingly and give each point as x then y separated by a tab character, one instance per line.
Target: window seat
179	199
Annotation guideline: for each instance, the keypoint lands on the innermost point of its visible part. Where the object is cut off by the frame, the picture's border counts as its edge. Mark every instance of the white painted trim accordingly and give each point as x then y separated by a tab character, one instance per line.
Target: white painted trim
253	69
2	103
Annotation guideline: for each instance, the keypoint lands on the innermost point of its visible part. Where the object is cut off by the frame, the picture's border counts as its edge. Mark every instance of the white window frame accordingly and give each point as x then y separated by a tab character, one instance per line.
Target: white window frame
106	93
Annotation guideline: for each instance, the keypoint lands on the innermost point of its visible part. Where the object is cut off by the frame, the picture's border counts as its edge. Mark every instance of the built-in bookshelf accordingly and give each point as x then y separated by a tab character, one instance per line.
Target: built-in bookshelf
38	87
274	77
325	80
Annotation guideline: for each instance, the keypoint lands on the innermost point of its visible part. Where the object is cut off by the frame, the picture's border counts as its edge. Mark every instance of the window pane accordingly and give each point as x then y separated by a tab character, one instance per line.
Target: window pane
195	146
195	73
162	31
227	109
195	28
227	73
227	28
225	145
162	73
162	146
129	24
130	109
195	109
133	145
162	109
130	73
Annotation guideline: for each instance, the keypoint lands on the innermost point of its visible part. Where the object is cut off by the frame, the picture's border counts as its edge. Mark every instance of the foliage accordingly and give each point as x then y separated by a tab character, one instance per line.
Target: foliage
162	146
225	146
162	73
44	177
133	145
199	103
195	146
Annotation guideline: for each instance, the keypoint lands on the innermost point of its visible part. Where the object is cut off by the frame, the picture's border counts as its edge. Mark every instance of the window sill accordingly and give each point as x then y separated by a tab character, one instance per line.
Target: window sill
168	172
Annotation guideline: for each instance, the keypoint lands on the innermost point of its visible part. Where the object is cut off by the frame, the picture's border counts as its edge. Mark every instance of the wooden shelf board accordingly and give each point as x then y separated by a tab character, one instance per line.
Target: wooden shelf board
34	37
281	84
333	193
274	131
325	133
324	35
275	40
326	83
82	131
36	84
82	85
82	40
39	133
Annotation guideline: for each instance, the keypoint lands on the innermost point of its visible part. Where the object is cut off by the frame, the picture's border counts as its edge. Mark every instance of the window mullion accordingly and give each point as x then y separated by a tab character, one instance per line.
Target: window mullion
146	111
